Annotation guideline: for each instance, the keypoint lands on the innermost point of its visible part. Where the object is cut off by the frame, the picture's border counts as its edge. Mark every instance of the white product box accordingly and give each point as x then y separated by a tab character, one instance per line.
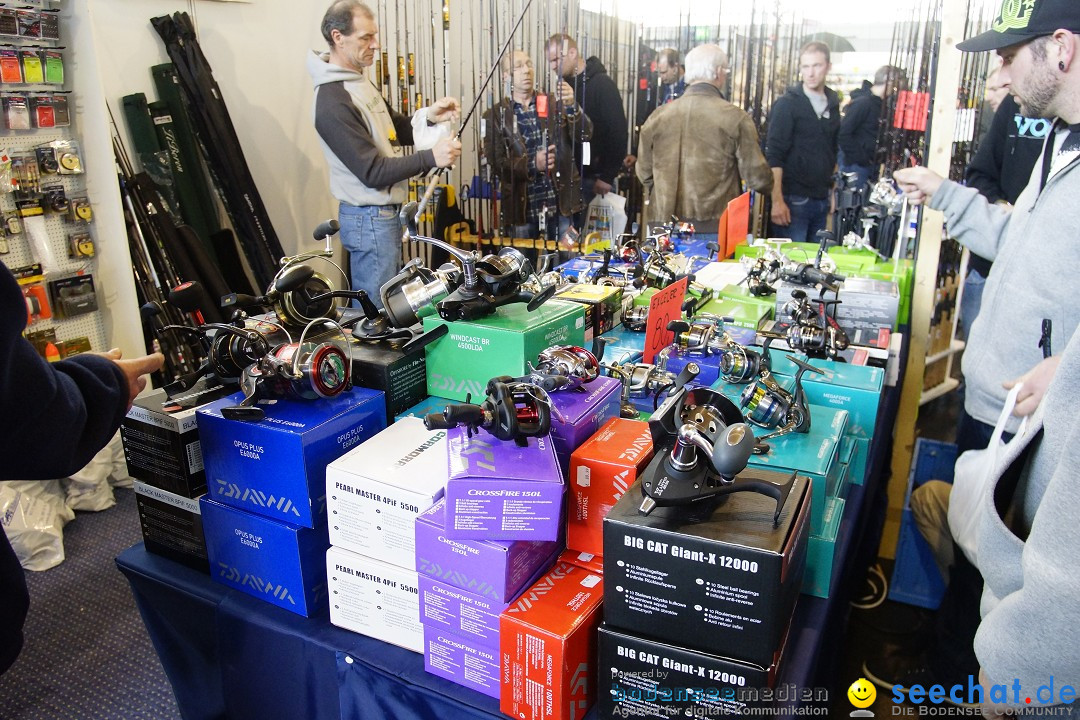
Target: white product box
374	598
376	490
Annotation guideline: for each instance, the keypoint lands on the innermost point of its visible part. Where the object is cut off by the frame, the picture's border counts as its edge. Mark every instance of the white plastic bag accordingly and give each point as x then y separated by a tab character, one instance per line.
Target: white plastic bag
973	472
89	488
606	216
33	515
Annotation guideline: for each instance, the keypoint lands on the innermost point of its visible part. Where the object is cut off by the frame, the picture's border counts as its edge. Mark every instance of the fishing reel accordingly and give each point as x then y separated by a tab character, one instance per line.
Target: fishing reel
487	282
608	277
301	370
762	273
814	331
703	335
740	364
807	274
770	406
702	444
512	410
563	367
415	291
639	380
636	318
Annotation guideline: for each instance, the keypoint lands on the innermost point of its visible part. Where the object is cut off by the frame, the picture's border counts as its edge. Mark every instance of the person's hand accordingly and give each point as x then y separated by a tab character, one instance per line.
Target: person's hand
135	370
629	161
918	183
781	213
545	160
446	152
1035	380
601	188
566	94
445	109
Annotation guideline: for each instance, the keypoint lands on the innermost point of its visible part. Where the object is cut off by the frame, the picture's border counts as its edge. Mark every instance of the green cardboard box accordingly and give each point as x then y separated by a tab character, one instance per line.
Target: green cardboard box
746	318
850	260
603	306
815	454
821	552
644	297
842	386
767	303
471	353
797	251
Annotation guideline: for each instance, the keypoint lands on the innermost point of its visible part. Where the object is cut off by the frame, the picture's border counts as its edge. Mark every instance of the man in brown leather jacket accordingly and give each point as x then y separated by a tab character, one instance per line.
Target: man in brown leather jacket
530	144
695	152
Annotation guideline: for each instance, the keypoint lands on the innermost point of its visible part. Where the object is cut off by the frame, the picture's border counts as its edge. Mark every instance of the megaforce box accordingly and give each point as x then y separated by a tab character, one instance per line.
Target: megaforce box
401	377
473	352
843	386
374	598
375	491
274	561
493	569
578	414
722	580
171	526
462	660
277	466
640	677
600	472
548	646
501	491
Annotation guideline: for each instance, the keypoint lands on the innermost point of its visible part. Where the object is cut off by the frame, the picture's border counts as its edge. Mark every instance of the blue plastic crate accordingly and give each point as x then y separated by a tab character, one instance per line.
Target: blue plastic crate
915	577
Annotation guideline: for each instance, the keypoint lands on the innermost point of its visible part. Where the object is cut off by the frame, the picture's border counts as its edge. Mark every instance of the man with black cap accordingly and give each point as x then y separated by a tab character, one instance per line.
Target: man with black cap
1036	253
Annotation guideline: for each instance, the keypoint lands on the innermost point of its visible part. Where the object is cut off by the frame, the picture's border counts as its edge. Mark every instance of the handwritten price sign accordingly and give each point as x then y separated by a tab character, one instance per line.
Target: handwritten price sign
665	306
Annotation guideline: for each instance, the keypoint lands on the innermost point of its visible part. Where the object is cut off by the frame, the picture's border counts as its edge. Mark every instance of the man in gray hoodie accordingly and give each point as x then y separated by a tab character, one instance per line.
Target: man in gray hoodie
362	139
1036	255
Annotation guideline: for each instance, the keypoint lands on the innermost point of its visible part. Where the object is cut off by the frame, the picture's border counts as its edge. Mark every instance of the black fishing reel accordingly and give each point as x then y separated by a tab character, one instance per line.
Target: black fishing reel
770	406
807	274
563	367
636	318
415	291
701	445
702	335
512	410
762	273
814	331
739	364
487	282
605	275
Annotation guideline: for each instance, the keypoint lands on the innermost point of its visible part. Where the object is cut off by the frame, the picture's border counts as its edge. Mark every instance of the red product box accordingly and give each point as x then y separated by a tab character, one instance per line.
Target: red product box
547	643
601	470
588	561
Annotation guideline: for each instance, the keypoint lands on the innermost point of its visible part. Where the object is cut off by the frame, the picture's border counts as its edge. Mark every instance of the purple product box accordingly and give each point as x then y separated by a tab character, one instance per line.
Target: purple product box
462	660
451	609
501	491
491	570
708	364
580	413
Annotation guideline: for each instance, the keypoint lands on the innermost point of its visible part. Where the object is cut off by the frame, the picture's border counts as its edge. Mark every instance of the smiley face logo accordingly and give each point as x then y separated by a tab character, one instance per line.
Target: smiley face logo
862	693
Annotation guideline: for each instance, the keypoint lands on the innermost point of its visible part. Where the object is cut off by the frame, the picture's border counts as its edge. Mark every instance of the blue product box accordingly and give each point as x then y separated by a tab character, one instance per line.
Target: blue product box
815	454
709	364
574	267
430	404
821	552
623	345
578	414
855	388
274	561
277	466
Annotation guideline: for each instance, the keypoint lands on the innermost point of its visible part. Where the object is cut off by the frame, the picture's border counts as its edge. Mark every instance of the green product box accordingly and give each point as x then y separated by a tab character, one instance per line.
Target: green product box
644	297
843	386
855	451
471	353
740	293
850	260
745	318
815	454
797	251
821	552
603	306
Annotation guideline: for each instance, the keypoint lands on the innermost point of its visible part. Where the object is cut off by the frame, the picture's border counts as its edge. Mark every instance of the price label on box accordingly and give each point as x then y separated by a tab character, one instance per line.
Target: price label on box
665	306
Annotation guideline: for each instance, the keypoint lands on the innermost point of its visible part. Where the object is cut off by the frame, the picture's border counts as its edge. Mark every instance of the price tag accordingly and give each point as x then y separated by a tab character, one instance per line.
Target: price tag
665	306
541	106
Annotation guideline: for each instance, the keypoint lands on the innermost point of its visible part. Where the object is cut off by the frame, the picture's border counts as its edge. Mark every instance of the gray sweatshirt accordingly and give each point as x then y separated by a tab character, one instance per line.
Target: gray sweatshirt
1035	248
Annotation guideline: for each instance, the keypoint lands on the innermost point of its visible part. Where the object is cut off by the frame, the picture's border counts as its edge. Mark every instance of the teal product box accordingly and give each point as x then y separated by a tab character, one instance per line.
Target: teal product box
842	386
821	552
815	454
855	451
498	490
277	466
622	345
430	404
578	414
277	562
471	353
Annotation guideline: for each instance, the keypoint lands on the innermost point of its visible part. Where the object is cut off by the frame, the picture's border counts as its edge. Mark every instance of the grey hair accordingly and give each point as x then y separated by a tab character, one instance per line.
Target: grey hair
339	16
702	63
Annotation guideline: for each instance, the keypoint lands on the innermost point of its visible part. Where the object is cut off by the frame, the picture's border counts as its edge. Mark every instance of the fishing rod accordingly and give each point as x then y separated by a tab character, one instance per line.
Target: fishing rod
465	121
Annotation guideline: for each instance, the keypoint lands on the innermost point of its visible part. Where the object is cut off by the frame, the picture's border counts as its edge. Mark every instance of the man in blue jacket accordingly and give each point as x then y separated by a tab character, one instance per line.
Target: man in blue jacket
53	420
801	149
859	128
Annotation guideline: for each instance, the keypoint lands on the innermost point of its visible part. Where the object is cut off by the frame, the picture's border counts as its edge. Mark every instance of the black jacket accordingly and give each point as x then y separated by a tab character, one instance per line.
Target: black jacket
1002	164
54	417
803	144
859	129
599	98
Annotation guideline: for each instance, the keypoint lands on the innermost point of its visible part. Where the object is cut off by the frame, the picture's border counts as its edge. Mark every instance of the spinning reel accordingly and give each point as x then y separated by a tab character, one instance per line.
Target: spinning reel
563	367
415	291
636	318
703	335
807	274
487	282
512	410
768	405
702	444
762	272
814	332
740	364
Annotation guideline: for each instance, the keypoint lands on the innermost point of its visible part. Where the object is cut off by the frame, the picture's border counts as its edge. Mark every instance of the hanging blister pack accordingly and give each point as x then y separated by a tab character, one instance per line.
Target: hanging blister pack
16	112
32	70
68	157
54	67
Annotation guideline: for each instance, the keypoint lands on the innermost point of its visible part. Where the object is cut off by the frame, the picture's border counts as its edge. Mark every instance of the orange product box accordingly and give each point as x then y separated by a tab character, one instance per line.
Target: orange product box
601	470
547	645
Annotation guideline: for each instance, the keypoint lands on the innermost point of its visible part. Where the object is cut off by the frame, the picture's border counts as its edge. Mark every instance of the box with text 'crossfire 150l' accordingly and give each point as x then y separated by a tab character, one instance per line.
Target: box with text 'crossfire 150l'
578	414
721	578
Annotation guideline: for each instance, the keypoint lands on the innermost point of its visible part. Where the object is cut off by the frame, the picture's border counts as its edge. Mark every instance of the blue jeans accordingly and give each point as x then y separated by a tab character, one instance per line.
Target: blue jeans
372	235
808	215
972	299
863	173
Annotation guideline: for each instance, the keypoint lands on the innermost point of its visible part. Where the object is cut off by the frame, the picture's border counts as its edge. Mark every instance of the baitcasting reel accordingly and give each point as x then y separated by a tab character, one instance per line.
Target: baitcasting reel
487	282
768	405
512	410
702	444
563	367
740	364
703	335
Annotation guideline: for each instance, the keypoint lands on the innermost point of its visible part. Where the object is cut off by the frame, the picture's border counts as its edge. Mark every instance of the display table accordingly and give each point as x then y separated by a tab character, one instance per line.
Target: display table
229	655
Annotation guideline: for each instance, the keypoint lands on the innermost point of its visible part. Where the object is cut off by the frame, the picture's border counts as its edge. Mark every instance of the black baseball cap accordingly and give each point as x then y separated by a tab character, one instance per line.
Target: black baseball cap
1020	20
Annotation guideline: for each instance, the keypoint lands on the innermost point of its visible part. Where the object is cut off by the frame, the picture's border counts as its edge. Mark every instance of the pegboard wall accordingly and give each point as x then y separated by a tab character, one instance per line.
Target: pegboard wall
58	226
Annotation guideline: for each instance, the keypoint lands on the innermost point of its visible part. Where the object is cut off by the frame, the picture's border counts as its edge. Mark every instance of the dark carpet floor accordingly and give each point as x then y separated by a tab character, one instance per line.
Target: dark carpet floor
87	655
